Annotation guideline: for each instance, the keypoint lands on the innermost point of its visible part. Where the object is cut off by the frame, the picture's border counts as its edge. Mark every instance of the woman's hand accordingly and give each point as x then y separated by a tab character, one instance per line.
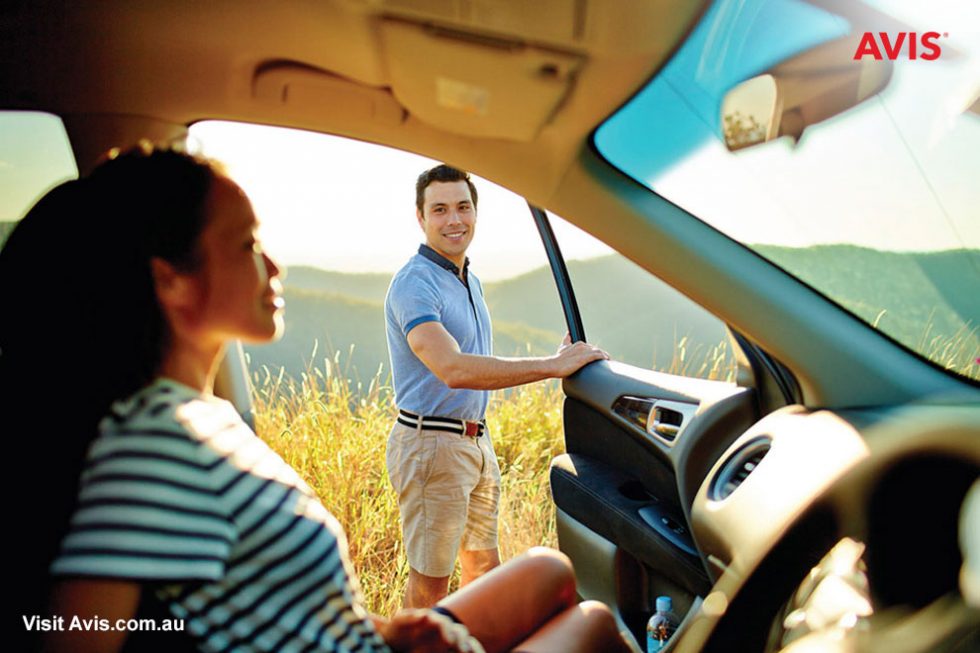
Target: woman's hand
425	631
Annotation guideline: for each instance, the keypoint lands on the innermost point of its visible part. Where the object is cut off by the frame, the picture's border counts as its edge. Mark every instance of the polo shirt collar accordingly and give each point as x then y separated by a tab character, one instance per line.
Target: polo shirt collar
441	260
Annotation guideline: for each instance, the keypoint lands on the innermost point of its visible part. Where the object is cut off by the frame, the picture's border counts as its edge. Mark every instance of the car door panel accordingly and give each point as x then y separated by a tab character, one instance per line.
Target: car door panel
721	412
638	444
623	494
609	503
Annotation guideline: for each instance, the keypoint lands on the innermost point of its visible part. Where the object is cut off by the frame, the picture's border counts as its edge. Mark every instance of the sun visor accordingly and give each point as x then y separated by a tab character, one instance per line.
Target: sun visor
300	89
474	85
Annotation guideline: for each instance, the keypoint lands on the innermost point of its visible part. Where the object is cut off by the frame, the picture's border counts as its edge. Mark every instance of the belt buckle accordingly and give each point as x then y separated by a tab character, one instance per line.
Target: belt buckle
471	429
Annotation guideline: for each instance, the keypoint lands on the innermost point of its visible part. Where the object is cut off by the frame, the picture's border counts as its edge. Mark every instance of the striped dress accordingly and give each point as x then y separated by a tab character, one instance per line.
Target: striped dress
178	492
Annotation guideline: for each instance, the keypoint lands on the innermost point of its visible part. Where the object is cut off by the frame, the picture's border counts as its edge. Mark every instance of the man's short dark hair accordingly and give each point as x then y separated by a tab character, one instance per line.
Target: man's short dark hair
442	174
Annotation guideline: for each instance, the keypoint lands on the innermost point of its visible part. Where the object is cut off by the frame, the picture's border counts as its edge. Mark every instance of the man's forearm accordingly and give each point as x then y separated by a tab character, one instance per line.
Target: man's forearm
472	372
440	352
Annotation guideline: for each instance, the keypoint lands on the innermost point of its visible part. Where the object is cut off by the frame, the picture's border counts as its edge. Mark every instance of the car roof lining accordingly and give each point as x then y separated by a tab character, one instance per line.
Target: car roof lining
556	68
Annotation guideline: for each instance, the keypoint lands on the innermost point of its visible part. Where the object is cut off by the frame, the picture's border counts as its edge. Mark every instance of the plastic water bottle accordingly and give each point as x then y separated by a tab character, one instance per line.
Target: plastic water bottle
662	624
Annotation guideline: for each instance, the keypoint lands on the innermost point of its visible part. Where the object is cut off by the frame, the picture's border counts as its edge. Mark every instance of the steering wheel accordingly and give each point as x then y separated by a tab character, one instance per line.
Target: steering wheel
873	564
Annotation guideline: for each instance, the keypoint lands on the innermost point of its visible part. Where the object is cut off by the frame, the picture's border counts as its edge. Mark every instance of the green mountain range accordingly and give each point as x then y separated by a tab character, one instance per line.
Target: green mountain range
923	300
913	297
630	313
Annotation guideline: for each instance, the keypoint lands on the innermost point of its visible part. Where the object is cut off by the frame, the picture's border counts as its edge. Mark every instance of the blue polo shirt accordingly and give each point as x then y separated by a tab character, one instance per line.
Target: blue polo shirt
428	289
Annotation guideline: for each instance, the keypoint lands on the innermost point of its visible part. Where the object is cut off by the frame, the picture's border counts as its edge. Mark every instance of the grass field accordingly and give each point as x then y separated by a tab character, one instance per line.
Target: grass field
334	435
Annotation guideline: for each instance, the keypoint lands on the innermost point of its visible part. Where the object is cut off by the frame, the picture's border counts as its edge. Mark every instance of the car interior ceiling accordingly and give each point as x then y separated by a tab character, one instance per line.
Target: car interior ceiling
253	62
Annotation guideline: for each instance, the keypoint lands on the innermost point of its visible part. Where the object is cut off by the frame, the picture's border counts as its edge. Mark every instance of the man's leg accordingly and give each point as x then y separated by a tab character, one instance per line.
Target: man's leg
433	474
411	458
479	553
424	591
476	563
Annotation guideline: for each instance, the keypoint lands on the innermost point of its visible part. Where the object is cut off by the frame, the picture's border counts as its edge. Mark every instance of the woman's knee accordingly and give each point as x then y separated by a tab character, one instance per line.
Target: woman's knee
597	612
552	556
549	563
552	570
599	622
584	628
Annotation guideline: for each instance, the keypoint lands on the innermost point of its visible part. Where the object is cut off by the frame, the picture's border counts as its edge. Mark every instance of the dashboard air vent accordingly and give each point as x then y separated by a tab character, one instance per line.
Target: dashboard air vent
738	467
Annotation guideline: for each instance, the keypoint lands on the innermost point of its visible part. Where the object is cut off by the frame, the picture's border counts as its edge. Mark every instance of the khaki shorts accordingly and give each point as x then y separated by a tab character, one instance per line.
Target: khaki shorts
448	488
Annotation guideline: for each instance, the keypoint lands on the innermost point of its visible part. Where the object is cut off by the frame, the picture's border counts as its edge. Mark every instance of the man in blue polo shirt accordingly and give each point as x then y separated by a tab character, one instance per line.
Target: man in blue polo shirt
440	458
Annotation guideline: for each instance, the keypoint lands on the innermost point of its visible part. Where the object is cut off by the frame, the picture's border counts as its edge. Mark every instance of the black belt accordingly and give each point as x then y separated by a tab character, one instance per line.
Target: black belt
447	424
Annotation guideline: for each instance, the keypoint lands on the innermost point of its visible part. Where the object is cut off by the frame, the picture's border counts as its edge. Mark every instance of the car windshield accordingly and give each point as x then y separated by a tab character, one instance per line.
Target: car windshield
873	200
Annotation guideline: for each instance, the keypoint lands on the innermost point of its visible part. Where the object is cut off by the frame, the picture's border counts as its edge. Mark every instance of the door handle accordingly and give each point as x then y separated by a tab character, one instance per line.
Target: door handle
665	422
667	419
661	418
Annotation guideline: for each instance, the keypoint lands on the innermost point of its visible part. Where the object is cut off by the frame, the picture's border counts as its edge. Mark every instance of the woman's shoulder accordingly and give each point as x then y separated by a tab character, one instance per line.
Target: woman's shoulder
166	407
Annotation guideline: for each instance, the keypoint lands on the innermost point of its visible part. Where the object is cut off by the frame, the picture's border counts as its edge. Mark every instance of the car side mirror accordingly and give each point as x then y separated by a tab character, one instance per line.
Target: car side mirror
802	91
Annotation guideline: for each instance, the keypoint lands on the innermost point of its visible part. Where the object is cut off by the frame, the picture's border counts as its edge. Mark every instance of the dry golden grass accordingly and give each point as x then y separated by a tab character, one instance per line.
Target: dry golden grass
958	353
334	435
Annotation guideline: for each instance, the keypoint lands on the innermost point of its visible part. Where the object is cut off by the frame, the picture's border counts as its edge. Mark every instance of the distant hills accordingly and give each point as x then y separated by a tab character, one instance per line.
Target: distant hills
913	297
320	324
923	300
625	310
337	310
369	287
630	313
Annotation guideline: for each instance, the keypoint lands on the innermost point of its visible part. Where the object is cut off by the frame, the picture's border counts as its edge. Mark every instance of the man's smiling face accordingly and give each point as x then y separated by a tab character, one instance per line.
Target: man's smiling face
448	219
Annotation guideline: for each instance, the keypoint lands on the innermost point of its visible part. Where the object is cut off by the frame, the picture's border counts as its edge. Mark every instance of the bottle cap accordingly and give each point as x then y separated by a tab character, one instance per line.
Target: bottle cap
664	604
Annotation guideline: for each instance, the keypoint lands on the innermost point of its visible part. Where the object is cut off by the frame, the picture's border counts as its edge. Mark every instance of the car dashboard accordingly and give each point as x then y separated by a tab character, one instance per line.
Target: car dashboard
838	530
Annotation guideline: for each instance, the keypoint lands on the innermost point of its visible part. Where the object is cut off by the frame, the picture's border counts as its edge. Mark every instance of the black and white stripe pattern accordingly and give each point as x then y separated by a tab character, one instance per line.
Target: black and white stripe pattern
445	424
179	492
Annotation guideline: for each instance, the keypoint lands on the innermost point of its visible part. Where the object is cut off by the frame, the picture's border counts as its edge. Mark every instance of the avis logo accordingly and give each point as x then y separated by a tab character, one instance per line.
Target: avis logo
924	46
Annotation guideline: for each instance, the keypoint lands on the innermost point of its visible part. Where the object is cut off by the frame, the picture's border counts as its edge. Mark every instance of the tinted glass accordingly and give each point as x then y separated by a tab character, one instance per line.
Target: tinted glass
876	206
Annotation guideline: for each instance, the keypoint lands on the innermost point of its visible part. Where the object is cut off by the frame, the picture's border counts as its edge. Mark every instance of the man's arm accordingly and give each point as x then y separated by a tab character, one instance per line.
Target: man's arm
440	352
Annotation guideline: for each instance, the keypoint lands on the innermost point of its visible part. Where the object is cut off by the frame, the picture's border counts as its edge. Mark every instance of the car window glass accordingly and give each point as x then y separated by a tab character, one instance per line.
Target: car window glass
638	318
874	203
340	214
35	156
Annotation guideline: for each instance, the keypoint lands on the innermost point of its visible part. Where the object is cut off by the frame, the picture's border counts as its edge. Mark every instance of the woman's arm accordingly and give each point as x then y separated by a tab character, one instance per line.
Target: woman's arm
86	610
425	631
